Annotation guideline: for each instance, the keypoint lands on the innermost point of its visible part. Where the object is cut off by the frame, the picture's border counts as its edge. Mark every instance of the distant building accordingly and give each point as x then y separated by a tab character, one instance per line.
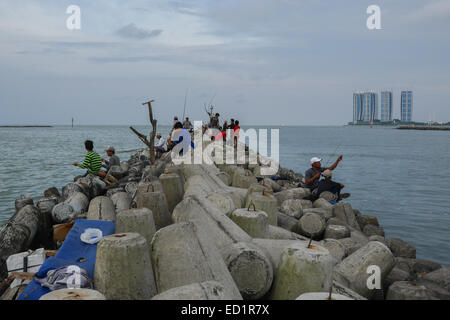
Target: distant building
386	106
365	106
357	107
370	106
406	106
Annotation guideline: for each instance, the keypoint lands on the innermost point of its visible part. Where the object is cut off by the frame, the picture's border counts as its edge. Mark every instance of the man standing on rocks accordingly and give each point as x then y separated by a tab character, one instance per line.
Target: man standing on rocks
312	175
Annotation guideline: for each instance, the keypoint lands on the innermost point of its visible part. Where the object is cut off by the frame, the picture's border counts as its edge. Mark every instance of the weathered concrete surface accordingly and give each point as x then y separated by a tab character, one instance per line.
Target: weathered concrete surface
62	213
173	189
138	221
322	296
402	248
292	207
336	249
340	289
122	201
208	290
101	208
344	212
295	193
264	202
223	201
73	294
336	232
258	188
79	202
71	188
22	202
157	203
311	225
255	223
123	269
282	234
352	271
250	268
440	276
371	230
408	290
211	220
287	222
184	254
18	234
321	203
302	270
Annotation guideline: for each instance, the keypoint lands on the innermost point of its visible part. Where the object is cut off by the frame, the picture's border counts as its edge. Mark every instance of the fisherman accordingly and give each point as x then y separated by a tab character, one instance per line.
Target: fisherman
179	135
312	175
160	146
236	130
214	122
327	184
187	124
92	161
113	159
231	126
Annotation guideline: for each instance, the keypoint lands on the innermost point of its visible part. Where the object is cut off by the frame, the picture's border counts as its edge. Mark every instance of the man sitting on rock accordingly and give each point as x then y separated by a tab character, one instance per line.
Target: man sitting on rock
113	159
312	175
335	188
92	161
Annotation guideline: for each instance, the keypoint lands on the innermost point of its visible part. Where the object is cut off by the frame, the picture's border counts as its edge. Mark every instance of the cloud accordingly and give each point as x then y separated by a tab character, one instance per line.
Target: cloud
436	10
130	31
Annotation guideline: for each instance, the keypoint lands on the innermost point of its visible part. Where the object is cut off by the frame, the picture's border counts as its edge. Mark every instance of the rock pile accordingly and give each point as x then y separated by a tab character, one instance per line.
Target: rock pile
203	231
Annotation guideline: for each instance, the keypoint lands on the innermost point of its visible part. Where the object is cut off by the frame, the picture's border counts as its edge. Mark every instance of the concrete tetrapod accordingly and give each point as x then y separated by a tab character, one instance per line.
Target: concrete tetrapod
138	221
123	269
250	268
322	296
254	222
208	290
73	294
79	202
225	234
183	254
173	189
223	201
122	201
22	202
101	208
311	225
264	202
302	269
352	272
157	203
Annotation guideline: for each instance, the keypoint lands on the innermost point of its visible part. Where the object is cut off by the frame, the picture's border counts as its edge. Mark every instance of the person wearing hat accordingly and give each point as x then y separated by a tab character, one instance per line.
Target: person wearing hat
113	159
329	185
160	145
312	175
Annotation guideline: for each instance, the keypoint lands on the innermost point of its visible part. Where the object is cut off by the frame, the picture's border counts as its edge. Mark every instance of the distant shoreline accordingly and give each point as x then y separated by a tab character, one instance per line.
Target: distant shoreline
26	126
438	128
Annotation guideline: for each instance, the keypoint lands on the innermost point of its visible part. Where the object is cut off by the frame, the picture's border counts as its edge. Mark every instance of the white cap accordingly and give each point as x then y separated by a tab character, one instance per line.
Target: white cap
315	159
110	148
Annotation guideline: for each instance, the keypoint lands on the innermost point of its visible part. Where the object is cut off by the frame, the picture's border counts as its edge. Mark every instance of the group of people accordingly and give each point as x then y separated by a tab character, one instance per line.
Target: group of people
233	128
94	163
317	185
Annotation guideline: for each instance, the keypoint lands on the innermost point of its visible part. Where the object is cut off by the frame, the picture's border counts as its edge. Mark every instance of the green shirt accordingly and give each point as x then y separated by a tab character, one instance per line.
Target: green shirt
92	162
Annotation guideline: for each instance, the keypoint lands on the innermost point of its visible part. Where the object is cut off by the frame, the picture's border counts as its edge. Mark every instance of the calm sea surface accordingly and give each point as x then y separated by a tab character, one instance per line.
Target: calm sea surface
401	177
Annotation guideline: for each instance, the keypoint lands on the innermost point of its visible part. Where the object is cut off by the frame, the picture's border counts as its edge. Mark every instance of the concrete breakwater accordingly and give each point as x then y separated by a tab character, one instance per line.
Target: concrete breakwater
214	232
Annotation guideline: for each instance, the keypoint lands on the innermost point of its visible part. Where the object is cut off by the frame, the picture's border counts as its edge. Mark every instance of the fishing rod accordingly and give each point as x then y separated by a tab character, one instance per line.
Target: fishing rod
185	100
333	154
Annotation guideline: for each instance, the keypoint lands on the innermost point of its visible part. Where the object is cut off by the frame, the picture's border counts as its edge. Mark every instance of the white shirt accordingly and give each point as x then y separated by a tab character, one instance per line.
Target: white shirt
162	144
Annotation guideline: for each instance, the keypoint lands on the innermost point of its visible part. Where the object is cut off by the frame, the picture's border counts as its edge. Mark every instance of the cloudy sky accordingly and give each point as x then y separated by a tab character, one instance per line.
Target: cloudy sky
291	62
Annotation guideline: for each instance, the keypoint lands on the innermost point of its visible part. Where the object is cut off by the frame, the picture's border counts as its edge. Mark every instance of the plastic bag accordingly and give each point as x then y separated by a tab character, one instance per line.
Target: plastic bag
91	235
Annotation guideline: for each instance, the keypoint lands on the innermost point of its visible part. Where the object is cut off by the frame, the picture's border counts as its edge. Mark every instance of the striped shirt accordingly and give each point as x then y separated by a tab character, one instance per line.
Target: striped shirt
92	162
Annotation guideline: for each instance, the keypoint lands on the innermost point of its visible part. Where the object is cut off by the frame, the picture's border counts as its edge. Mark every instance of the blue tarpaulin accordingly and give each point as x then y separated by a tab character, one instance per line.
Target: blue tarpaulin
72	252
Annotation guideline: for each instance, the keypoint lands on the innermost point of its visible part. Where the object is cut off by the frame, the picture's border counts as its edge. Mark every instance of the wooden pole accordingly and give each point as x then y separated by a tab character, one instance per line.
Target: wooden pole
150	144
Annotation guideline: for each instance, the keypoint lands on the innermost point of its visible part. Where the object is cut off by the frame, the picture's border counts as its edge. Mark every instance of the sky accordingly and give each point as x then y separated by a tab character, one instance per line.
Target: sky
264	62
